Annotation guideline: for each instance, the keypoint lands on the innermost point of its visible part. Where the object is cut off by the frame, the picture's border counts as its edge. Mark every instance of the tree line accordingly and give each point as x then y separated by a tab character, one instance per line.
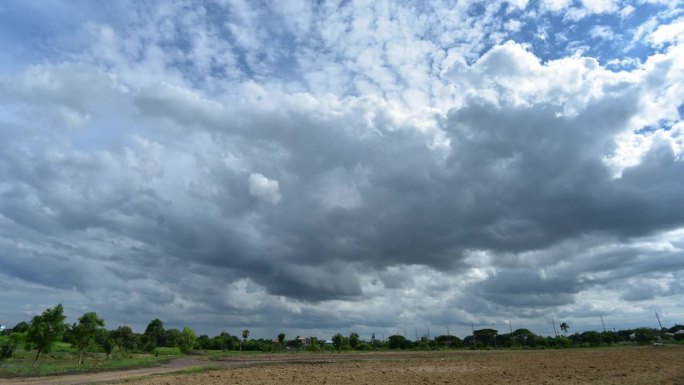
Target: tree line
88	334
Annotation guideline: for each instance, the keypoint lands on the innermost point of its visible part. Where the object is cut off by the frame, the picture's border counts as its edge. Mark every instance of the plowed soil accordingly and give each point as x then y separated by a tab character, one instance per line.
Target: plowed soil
647	365
643	365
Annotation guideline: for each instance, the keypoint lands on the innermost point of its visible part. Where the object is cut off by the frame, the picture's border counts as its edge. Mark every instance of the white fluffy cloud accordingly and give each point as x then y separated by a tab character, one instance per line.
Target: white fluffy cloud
264	188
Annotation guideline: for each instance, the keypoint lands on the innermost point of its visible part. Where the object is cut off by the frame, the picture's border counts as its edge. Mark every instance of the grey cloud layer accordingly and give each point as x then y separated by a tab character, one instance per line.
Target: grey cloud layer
250	204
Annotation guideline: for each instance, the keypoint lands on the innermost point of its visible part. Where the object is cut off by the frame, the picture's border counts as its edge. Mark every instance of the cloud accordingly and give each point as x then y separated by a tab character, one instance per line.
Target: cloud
668	33
264	188
367	167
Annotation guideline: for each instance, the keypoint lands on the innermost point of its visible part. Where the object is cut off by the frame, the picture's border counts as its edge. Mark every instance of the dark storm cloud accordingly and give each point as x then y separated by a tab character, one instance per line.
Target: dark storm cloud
527	287
517	178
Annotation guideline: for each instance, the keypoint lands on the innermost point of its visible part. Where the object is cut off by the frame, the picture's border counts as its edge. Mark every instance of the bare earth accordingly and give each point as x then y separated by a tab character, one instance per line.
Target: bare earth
647	365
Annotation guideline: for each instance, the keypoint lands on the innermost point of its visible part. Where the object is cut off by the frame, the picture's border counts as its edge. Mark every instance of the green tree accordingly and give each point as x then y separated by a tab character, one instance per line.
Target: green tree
313	345
83	333
354	340
125	338
487	337
562	342
104	340
9	344
338	341
187	340
448	341
226	341
45	330
245	335
21	327
397	342
172	337
565	327
281	340
645	335
591	338
154	335
297	343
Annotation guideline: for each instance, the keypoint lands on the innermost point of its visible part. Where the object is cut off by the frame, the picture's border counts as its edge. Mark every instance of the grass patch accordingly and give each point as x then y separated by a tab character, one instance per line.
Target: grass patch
167	351
65	362
199	369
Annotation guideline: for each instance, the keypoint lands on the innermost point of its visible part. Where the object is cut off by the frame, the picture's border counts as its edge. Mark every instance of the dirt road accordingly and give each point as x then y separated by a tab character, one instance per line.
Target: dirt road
112	376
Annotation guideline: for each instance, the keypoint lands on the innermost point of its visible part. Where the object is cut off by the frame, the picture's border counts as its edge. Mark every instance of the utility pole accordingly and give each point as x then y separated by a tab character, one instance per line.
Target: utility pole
604	325
510	327
658	318
472	327
554	327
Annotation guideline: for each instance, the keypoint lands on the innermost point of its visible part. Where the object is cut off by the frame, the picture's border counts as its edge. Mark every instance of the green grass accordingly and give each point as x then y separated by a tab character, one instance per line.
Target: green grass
63	360
167	351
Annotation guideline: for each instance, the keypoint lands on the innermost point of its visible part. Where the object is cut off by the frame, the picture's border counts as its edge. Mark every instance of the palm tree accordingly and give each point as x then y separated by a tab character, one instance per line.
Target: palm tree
564	327
245	334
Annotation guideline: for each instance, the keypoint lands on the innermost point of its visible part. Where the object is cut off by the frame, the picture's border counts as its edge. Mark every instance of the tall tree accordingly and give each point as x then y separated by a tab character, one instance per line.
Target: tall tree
125	338
226	342
338	341
281	340
245	335
45	330
154	335
83	332
187	340
104	340
172	337
354	340
564	327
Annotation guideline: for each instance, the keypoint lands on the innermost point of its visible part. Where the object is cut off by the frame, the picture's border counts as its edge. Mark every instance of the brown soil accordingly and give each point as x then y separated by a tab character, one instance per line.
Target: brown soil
663	365
579	366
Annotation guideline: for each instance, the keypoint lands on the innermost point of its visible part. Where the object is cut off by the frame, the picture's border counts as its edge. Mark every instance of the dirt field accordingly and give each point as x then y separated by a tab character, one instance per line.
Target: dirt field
645	365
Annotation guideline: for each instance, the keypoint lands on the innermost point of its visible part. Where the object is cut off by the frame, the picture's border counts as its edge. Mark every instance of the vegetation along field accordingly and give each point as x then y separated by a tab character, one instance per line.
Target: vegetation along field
47	350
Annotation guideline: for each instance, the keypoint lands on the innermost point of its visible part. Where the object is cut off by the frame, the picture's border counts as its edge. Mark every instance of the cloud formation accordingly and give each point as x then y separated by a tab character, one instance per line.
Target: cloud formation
324	168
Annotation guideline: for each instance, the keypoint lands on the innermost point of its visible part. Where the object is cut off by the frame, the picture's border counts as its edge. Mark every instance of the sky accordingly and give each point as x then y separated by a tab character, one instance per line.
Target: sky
336	166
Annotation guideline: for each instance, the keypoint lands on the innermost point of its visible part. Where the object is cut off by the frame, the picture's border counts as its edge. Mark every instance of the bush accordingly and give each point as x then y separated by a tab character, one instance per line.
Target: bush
364	346
645	336
9	344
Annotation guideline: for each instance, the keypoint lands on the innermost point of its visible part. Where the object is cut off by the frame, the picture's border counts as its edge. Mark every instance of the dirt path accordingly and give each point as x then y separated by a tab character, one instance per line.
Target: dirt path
110	376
